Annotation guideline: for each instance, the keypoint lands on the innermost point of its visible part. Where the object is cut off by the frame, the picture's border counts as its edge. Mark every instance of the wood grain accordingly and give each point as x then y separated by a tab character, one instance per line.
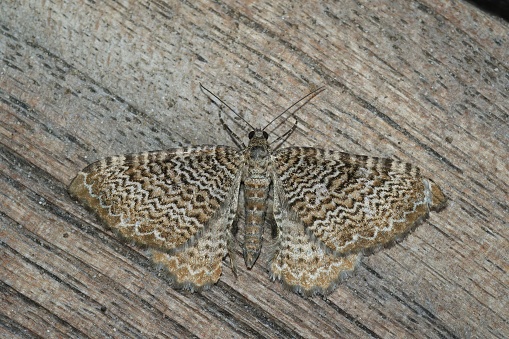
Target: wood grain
425	82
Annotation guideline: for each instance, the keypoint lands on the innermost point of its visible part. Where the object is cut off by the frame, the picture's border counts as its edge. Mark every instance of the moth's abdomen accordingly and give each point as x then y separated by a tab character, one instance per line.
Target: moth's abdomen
256	191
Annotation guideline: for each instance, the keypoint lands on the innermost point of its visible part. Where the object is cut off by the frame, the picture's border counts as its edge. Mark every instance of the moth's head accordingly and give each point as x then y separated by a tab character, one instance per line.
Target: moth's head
258	144
258	134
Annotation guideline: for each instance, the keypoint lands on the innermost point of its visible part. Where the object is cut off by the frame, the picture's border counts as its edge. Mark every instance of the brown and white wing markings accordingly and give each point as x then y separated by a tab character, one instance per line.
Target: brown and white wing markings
329	207
179	201
345	204
300	261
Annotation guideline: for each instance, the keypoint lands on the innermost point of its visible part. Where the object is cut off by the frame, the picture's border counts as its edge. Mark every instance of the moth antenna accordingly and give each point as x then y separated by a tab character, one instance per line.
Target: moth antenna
224	103
305	98
232	134
282	138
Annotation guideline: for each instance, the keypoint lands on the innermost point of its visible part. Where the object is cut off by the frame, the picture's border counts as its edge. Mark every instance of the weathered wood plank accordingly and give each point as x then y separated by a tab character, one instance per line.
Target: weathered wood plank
425	82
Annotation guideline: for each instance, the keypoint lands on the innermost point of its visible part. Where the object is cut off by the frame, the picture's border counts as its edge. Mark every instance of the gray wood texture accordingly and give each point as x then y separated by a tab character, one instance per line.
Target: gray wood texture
422	81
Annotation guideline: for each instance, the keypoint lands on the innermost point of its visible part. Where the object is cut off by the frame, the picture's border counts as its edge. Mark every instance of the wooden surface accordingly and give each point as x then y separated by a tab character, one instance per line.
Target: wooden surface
426	82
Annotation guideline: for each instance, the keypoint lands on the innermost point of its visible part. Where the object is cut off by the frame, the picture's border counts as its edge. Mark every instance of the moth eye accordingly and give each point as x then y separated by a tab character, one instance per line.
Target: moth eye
251	135
265	135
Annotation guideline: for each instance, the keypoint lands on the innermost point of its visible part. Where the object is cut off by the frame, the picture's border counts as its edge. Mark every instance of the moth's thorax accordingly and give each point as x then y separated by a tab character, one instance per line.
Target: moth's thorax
257	154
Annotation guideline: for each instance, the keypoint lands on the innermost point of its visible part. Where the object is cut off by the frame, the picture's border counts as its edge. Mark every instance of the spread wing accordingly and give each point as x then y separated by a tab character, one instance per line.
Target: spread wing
345	204
175	201
352	202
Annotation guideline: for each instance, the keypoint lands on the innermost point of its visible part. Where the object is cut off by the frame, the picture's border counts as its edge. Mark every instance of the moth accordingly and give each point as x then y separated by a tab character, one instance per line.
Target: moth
329	207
